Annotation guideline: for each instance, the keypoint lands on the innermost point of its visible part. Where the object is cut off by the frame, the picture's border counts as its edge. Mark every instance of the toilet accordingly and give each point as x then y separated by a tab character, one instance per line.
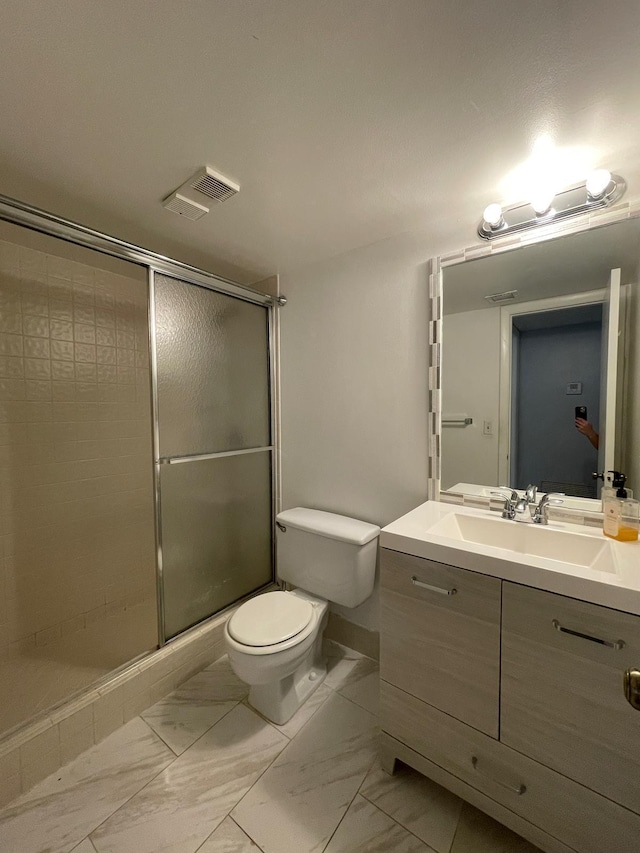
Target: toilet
274	641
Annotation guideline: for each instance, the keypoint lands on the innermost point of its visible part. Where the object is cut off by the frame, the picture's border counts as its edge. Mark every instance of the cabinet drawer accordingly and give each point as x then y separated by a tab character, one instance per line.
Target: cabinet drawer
574	815
562	695
442	648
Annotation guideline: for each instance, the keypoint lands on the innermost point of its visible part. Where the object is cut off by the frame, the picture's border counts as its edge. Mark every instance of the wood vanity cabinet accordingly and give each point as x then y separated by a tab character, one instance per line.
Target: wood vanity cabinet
441	629
563	702
508	698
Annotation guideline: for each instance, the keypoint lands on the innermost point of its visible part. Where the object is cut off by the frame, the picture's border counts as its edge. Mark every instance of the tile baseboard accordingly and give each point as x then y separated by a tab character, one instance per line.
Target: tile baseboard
353	636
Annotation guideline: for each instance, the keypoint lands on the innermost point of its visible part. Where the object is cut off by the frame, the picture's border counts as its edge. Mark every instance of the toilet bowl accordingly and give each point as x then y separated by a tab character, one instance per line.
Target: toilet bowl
274	641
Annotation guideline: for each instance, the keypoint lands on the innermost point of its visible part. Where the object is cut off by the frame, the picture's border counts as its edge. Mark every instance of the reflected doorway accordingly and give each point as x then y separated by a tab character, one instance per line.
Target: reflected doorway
556	367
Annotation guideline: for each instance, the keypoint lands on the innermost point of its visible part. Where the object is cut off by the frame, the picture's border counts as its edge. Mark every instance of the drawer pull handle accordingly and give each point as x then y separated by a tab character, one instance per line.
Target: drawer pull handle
610	644
515	789
439	589
632	687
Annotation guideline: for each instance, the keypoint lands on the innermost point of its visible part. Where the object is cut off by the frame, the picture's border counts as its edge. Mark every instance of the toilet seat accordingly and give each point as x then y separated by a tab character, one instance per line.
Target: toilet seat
270	619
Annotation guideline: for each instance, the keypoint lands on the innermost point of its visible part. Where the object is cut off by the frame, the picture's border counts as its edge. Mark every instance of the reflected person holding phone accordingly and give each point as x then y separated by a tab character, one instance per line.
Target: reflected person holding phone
584	427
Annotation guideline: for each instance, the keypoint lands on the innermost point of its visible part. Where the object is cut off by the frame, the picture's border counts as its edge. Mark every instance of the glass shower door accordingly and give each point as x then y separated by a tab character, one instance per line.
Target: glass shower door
213	450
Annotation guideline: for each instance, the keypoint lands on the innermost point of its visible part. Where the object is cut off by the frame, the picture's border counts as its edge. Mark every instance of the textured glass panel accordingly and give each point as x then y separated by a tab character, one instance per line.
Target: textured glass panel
213	370
216	535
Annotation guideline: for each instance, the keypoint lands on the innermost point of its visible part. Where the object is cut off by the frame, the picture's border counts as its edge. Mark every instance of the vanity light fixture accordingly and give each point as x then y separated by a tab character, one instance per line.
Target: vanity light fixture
601	189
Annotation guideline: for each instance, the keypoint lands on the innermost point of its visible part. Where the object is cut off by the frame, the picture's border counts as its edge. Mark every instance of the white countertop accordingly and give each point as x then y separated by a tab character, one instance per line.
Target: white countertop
620	588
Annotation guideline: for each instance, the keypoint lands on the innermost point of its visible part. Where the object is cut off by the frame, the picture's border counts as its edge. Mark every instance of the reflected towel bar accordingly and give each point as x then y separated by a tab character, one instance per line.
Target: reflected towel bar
453	420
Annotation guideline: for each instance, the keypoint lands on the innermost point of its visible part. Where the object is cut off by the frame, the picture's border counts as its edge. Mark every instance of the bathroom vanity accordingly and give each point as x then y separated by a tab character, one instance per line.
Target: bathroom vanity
508	661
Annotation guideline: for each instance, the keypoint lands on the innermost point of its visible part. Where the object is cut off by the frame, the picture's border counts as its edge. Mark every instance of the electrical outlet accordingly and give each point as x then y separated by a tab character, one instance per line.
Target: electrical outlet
487	427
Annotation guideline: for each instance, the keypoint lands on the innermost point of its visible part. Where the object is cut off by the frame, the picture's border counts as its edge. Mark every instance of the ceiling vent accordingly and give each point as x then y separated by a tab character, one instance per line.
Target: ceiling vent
183	206
213	185
505	296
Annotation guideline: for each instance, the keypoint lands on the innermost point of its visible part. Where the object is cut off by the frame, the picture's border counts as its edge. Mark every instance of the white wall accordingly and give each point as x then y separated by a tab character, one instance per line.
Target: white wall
354	386
470	386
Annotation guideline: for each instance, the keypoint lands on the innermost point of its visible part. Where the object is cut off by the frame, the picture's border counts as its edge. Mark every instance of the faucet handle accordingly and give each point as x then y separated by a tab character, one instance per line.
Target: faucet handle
550	498
541	515
508	509
513	494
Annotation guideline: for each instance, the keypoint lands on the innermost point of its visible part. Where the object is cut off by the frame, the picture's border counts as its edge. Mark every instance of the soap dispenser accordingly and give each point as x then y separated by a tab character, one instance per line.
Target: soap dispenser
610	484
621	512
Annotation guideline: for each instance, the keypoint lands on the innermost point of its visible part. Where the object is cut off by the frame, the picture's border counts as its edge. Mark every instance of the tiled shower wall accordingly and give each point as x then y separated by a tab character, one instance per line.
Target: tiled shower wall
77	567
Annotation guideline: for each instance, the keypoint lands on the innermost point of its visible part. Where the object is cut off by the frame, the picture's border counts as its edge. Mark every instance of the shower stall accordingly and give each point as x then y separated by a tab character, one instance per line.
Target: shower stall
137	474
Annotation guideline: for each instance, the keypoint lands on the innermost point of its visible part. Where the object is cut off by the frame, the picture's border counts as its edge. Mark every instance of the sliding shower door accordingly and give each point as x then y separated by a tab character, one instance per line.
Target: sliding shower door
213	450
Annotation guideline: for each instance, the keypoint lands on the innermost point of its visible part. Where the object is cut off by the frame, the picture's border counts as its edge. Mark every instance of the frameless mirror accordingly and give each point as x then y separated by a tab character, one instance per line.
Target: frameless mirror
541	365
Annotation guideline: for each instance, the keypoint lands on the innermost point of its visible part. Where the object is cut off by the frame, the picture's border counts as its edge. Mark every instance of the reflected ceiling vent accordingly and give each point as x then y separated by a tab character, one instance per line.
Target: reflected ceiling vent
183	206
505	296
214	185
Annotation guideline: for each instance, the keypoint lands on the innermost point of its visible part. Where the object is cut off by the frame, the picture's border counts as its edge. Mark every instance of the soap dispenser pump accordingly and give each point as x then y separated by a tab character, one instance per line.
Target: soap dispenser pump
621	512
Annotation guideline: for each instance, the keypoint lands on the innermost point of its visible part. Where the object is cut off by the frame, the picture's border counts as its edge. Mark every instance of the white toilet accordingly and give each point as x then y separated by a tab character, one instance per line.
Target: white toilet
274	641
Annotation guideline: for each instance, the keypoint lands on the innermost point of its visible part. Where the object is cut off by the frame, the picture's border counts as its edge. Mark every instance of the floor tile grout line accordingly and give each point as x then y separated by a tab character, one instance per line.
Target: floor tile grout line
177	755
155	776
278	756
159	773
453	840
361	707
400	824
274	725
228	814
88	840
217	827
366	773
236	703
271	763
244	832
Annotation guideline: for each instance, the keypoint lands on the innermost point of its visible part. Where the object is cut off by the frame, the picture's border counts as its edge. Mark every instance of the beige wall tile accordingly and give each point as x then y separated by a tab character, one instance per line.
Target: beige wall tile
106	719
75	723
77	498
75	742
47	741
45	764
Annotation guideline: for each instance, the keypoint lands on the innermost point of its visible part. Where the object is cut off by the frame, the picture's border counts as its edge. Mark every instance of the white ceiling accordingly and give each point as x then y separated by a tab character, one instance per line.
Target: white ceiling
344	121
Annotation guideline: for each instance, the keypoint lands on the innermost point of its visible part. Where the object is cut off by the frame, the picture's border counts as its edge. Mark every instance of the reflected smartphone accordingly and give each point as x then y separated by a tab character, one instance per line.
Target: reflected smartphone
581	412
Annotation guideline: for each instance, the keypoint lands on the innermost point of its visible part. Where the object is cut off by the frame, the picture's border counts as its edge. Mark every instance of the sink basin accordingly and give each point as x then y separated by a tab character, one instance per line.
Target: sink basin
528	539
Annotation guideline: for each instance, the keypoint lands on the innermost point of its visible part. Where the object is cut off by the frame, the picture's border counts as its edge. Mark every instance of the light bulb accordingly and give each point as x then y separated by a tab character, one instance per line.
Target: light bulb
493	215
541	201
597	183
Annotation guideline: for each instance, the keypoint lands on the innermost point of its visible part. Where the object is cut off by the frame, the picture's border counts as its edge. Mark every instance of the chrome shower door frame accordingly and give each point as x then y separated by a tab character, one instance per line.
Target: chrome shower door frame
270	305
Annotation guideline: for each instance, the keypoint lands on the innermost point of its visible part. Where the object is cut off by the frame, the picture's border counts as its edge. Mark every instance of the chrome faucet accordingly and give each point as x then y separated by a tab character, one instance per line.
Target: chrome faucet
508	510
541	513
523	508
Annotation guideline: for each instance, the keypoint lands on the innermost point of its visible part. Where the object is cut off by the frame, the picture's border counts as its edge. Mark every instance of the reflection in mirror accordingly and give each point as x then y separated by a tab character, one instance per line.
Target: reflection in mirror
541	365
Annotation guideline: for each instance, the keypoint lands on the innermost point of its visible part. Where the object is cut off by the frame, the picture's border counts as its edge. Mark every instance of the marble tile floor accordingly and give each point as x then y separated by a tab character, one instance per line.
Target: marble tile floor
201	771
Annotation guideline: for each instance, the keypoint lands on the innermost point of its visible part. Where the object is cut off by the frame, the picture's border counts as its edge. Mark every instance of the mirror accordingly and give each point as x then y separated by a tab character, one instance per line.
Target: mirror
529	336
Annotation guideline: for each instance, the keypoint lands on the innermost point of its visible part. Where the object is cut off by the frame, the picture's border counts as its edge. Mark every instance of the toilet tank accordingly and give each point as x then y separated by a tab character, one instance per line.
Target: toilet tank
331	556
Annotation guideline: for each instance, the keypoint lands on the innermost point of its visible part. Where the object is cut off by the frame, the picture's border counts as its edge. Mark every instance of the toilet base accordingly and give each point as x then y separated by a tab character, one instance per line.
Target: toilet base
278	701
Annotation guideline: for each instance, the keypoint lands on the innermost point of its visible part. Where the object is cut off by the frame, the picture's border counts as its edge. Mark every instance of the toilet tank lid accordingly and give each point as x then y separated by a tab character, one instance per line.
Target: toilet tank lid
329	524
